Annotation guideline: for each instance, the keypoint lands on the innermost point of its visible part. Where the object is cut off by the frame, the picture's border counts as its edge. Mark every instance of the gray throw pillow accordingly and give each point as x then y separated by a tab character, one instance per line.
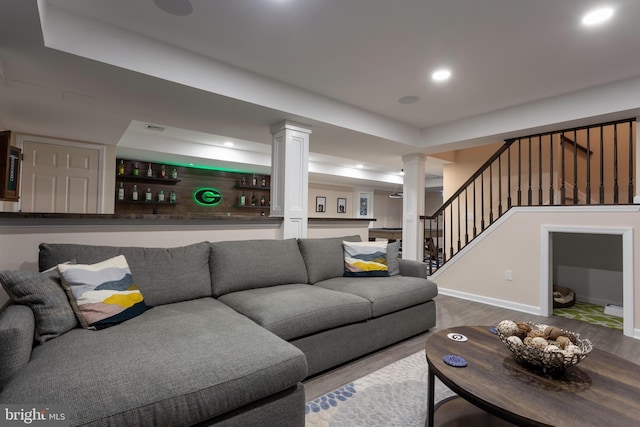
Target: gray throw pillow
43	293
324	257
393	251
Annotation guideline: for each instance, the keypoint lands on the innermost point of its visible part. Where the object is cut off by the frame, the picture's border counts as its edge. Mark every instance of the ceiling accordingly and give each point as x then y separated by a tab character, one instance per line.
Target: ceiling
100	71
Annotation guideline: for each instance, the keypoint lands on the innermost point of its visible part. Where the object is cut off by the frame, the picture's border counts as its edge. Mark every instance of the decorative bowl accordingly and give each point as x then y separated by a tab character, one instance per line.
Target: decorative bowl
542	347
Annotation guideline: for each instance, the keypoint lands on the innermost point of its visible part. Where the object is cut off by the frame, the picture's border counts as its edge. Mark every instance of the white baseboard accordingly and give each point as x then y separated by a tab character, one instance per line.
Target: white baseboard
530	309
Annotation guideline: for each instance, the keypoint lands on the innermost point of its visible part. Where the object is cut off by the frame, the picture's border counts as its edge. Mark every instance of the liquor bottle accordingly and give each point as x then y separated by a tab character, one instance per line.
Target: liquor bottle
263	182
172	197
163	172
136	169
174	173
254	181
121	191
134	194
150	171
253	199
263	201
161	196
244	181
121	167
148	196
242	199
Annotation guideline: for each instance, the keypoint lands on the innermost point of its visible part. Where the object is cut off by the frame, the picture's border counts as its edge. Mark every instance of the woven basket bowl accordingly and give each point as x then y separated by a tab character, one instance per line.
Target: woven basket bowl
548	362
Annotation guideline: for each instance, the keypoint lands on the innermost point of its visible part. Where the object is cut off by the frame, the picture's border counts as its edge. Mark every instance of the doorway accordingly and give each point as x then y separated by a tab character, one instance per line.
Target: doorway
596	262
60	176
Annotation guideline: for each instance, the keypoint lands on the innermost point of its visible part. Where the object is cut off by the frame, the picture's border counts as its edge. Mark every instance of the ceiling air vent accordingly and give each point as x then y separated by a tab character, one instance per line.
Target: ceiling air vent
156	128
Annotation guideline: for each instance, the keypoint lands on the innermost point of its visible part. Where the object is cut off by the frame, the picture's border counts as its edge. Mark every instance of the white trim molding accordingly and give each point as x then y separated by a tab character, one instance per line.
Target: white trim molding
530	309
546	274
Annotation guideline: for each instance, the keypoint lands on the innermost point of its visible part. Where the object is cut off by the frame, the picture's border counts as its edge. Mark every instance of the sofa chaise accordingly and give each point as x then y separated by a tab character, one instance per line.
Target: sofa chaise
232	330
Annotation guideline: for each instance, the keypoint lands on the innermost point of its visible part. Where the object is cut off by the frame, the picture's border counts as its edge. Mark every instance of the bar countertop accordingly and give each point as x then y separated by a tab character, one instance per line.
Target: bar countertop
34	219
26	219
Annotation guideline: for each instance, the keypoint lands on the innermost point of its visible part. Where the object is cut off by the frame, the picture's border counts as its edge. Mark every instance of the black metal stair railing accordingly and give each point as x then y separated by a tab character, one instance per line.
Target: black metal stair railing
579	166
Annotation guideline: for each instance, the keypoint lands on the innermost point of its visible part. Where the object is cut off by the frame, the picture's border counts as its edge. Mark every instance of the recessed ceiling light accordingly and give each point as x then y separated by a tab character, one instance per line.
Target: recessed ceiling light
410	99
597	16
441	75
228	144
359	166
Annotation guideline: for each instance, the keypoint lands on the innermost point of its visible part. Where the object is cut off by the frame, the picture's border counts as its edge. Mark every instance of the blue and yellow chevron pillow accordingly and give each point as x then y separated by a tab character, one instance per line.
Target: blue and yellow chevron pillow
365	259
102	294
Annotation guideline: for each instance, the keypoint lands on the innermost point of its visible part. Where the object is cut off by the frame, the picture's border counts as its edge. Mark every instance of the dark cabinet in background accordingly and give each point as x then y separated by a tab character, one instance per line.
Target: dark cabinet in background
10	159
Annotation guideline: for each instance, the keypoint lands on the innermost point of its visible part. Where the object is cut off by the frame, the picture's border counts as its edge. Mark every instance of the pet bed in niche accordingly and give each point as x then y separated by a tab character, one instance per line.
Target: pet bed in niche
563	297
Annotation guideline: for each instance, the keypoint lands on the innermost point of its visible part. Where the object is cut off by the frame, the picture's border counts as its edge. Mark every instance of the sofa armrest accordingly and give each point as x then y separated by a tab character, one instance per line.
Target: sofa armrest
412	268
17	329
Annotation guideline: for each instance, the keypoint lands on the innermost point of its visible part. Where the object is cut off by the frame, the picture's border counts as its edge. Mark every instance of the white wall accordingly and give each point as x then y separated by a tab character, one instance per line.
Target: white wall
514	243
386	211
331	194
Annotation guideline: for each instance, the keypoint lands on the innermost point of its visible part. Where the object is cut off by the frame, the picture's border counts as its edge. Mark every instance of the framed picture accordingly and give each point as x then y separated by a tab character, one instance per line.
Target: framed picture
321	204
342	205
365	207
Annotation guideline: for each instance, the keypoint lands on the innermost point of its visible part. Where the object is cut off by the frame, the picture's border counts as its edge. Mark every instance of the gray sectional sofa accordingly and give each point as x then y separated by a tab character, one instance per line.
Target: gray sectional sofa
234	329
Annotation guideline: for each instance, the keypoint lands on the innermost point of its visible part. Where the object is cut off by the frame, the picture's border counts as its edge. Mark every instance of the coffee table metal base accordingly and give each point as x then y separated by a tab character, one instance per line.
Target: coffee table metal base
456	412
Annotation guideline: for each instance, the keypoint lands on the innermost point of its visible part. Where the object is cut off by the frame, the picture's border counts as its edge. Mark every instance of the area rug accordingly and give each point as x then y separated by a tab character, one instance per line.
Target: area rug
395	395
590	313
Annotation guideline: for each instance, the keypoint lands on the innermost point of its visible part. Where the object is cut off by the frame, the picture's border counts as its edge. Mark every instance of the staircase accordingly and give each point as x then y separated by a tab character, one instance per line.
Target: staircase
591	165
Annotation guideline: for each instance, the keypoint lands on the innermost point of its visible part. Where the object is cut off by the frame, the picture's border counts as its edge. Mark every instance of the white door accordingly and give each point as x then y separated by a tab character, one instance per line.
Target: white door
59	178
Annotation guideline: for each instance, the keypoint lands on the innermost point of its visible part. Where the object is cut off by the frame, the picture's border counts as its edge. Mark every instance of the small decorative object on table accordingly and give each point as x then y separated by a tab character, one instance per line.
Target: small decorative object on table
543	347
454	360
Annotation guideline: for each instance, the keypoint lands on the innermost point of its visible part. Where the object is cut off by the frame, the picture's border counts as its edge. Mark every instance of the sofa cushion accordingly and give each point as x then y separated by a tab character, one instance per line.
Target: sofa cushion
365	259
293	311
249	264
409	267
393	251
16	340
387	294
102	294
178	364
43	293
324	257
163	275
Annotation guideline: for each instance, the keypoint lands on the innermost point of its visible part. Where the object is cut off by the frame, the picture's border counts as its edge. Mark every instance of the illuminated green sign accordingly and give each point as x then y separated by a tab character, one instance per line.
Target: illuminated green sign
207	196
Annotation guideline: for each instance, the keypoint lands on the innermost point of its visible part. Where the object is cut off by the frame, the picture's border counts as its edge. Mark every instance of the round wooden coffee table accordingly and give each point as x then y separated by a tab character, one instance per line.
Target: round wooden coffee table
601	390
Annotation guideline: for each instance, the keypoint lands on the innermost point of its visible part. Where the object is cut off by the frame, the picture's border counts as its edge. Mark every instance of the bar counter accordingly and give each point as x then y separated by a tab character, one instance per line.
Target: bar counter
52	219
32	219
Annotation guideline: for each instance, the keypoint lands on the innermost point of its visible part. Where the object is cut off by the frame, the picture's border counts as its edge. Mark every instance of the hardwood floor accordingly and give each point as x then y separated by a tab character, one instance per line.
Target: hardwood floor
452	312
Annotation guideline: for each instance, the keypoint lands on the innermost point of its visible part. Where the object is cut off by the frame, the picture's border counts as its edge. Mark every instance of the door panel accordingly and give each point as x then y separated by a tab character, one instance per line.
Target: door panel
59	178
43	190
77	194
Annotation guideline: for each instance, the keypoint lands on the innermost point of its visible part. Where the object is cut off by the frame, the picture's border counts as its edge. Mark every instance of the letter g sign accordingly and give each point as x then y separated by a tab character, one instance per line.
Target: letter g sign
207	196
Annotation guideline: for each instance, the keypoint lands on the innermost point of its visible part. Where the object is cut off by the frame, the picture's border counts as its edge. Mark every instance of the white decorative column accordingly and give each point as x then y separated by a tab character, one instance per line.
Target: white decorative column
413	207
636	196
290	177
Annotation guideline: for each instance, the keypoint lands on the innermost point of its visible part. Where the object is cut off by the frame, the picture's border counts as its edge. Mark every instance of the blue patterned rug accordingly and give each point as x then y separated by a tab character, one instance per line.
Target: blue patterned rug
395	395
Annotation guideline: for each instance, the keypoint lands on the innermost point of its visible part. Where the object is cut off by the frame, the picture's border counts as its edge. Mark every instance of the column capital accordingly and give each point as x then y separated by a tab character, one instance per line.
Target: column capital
289	125
414	156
